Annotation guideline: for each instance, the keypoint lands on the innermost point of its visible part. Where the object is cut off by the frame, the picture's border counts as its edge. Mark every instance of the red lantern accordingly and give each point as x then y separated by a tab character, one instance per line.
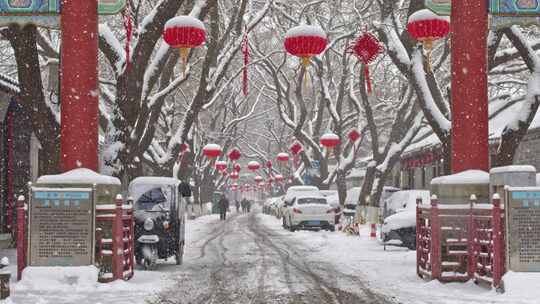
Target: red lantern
296	148
366	48
279	178
224	173
354	135
235	155
184	33
283	158
234	175
258	179
427	27
221	165
269	164
212	151
330	140
237	167
254	166
305	41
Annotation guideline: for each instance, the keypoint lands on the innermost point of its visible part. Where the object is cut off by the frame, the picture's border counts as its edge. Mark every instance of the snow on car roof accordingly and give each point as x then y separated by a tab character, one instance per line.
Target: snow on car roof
153	180
79	176
309	195
302	188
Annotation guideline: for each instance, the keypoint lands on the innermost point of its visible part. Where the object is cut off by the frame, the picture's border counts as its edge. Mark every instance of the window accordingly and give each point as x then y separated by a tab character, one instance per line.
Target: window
311	200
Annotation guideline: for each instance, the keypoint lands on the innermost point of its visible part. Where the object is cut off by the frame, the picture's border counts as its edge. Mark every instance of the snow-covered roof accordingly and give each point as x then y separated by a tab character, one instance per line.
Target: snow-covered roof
154	180
506	169
469	177
501	112
79	176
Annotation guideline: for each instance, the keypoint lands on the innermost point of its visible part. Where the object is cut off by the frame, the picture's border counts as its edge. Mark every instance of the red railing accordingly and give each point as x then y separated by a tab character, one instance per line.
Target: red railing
456	243
115	255
112	221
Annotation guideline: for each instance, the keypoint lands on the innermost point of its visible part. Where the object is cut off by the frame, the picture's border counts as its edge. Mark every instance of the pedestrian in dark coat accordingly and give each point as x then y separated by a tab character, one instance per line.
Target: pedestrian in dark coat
223	206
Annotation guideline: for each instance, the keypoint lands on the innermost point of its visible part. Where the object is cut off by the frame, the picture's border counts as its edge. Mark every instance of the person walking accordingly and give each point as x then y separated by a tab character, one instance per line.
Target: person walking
237	204
223	206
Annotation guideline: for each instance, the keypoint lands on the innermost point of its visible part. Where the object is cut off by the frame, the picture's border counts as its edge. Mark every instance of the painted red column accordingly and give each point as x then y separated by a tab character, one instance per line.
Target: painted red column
79	85
469	30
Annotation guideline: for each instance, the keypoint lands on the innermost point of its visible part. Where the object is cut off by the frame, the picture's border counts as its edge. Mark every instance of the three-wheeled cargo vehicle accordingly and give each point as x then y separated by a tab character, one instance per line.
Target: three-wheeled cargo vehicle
159	206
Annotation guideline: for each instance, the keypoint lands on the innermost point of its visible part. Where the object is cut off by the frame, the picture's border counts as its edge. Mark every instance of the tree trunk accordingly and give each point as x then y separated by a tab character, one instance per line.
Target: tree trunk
341	184
367	185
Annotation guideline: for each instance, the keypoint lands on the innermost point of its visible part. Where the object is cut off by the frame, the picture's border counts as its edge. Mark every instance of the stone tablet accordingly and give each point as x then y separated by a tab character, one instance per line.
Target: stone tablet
61	227
523	229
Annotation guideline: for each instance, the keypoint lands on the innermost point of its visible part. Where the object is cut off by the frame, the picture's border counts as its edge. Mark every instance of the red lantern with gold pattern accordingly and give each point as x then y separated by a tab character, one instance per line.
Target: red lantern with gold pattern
305	41
427	27
184	33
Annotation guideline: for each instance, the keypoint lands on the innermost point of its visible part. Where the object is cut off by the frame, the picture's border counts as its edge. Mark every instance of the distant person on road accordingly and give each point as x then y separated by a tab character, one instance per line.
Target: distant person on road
223	206
244	205
248	206
237	204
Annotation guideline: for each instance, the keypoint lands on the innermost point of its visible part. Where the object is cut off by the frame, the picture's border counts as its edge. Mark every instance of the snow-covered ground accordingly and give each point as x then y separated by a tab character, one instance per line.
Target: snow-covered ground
252	257
393	272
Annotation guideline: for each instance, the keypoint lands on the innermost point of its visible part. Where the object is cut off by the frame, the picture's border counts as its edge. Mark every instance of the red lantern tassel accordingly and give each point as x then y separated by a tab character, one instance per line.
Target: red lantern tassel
245	51
367	79
128	26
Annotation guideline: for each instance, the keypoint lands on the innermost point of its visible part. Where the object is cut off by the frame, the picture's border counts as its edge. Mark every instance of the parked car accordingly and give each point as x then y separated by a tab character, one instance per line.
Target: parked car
291	193
333	199
402	224
309	211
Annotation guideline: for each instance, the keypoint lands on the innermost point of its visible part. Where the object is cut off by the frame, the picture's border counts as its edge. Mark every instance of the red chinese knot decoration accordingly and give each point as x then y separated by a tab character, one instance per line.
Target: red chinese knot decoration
366	48
353	135
296	148
427	27
184	33
305	41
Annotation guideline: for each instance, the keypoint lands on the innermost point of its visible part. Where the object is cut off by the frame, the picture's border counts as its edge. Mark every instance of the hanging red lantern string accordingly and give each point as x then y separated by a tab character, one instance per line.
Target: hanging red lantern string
221	165
254	166
128	26
428	27
212	151
366	48
305	41
245	52
184	33
237	168
283	158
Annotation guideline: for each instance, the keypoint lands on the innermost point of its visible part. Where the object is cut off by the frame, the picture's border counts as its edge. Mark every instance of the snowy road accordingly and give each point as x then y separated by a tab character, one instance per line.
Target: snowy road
242	260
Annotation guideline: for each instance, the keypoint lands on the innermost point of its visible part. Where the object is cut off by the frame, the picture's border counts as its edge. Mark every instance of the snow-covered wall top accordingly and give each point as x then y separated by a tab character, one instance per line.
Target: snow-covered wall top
79	176
513	169
184	21
469	177
305	30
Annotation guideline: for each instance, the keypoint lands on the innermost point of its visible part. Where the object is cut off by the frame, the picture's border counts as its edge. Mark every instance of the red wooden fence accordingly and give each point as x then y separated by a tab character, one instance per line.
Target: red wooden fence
456	243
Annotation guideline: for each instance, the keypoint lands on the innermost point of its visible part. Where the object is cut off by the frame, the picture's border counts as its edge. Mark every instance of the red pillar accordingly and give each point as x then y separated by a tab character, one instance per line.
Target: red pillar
469	29
435	239
79	85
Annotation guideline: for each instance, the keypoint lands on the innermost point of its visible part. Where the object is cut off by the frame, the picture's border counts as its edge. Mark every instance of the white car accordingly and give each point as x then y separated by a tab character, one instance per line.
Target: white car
309	212
292	192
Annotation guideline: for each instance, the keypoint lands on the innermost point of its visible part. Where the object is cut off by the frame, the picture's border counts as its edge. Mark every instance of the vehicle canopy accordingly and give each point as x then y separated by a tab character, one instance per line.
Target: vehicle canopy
151	193
406	199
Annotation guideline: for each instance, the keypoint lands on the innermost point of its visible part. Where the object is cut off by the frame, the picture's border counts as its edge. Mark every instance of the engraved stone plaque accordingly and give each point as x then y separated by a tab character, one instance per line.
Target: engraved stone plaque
61	227
523	225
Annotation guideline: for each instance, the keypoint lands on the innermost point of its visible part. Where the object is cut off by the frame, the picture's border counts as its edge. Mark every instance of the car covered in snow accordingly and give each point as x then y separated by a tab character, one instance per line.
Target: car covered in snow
309	211
271	204
401	225
291	193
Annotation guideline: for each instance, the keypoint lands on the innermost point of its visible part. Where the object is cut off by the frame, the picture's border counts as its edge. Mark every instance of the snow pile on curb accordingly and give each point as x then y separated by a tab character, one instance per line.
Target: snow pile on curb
59	278
521	285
